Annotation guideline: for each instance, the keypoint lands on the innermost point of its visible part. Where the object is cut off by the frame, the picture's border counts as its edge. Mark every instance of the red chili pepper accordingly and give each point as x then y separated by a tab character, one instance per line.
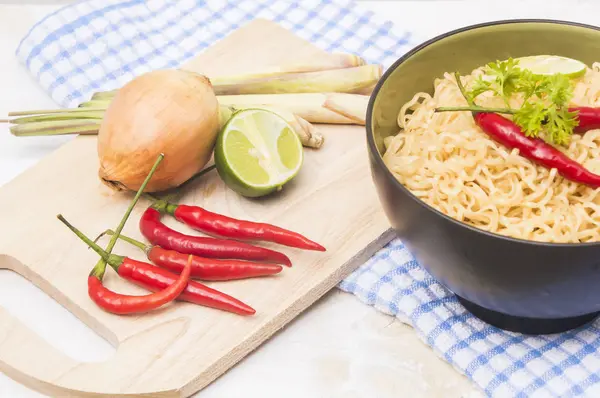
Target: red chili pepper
219	225
588	118
510	135
208	269
125	304
160	235
156	279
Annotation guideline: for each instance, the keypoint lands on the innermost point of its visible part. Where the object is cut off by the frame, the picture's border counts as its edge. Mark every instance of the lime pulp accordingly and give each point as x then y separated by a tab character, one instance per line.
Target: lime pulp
257	152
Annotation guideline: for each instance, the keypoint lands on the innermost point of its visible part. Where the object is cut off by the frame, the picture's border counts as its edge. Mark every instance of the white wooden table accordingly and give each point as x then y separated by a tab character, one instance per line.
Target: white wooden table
339	347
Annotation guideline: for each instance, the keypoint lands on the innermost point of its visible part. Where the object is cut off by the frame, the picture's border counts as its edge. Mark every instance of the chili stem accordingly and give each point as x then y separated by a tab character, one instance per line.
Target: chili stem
150	197
101	252
100	267
127	239
170	197
462	89
475	108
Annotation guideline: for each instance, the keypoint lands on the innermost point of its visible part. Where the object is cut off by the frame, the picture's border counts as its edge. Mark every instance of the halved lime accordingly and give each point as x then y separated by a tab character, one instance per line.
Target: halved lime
544	65
257	152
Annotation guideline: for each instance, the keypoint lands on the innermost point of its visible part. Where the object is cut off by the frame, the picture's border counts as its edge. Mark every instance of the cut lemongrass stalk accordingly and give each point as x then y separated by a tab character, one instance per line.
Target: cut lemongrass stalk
311	137
94	115
332	62
305	131
308	134
98	104
351	106
308	106
348	59
64	127
225	113
104	95
346	80
366	90
49	111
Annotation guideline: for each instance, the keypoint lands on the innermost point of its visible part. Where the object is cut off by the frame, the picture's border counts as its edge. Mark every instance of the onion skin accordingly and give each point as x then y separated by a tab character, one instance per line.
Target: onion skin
173	112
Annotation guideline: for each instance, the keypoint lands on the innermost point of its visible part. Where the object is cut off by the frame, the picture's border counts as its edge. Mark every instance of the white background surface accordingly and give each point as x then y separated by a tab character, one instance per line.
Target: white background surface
337	348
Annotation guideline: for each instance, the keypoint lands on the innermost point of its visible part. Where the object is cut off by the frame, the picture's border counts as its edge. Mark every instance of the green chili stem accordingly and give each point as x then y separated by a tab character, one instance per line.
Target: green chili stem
150	197
462	89
127	239
101	252
100	267
170	197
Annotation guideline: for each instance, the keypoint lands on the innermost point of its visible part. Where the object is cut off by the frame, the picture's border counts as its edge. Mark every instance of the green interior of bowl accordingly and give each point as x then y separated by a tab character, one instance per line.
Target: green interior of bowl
469	49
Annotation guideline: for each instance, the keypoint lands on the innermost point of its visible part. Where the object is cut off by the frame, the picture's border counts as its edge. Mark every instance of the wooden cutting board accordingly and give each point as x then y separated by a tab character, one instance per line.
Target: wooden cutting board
180	349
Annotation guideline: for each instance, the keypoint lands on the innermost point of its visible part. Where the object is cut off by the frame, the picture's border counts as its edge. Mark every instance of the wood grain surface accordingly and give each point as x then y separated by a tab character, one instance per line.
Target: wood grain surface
180	349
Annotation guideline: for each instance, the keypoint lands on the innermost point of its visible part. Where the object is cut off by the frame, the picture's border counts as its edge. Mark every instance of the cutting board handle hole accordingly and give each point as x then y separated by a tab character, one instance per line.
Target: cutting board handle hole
51	321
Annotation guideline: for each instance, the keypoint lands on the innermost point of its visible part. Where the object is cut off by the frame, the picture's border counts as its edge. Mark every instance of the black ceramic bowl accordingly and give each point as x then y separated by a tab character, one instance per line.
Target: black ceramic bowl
514	284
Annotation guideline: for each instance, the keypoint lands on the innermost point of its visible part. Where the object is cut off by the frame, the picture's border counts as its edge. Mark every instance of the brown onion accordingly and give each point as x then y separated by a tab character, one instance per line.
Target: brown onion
173	112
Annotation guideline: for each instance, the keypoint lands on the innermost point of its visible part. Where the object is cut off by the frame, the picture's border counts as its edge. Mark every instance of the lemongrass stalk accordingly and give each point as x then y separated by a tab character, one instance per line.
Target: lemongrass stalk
63	124
346	80
366	90
104	95
308	134
63	127
353	107
348	59
53	111
98	115
336	60
308	106
332	62
98	104
225	113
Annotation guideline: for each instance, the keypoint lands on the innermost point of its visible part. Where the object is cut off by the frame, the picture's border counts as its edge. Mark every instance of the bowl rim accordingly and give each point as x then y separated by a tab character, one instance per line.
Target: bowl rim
388	174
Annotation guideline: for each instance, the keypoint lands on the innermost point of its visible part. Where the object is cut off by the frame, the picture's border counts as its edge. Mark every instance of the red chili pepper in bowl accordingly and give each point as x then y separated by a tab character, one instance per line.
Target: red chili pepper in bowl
208	269
588	118
510	135
157	279
219	225
161	235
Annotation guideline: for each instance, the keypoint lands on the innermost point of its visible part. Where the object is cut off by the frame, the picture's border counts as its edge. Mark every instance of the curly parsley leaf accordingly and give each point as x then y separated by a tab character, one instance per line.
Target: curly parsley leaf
506	74
560	124
480	86
558	89
530	85
530	117
545	99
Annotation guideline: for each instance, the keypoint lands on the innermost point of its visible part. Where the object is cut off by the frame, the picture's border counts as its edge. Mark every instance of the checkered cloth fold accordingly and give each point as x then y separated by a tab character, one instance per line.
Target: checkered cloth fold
101	44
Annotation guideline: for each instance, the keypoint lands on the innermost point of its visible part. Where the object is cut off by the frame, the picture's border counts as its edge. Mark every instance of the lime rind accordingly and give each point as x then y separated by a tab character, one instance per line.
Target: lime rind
262	131
546	65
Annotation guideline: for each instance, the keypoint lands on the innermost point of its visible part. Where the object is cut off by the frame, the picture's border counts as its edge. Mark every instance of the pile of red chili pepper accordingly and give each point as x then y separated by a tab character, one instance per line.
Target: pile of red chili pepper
176	259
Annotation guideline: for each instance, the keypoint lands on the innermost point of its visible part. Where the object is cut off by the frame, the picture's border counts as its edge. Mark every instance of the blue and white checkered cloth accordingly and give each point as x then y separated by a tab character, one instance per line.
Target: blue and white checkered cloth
101	44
